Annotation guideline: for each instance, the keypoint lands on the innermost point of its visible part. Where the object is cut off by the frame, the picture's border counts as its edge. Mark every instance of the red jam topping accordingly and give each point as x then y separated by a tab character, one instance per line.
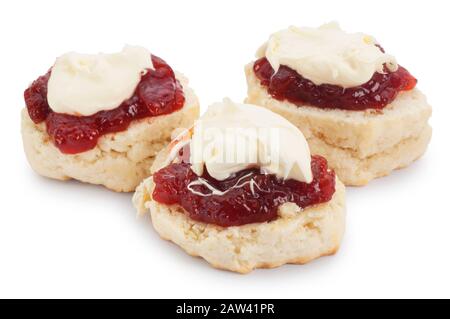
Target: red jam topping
378	92
251	196
158	93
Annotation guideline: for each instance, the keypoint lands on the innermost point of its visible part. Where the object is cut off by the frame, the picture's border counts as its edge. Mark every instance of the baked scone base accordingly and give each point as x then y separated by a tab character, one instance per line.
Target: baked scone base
120	161
359	145
296	237
355	171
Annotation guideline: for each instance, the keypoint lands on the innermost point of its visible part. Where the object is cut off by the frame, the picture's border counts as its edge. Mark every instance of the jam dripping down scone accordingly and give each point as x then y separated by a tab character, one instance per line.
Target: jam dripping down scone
101	119
276	205
355	105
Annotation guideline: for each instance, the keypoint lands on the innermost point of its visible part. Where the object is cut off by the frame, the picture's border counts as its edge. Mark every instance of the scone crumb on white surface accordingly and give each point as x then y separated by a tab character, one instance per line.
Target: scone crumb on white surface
359	145
119	161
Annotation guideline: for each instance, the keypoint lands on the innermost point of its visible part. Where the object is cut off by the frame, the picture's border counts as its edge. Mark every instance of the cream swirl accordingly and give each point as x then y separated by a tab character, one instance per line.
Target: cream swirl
327	55
84	84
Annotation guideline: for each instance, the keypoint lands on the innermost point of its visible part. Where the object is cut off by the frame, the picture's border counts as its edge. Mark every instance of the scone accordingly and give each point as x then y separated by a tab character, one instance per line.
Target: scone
102	119
355	105
275	205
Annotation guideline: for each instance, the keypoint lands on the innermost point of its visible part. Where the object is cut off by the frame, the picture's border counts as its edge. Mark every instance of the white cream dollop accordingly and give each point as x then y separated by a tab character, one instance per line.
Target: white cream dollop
84	84
327	55
231	137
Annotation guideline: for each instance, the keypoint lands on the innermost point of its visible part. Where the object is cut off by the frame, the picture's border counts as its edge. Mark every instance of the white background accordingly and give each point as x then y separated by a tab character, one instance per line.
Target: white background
66	239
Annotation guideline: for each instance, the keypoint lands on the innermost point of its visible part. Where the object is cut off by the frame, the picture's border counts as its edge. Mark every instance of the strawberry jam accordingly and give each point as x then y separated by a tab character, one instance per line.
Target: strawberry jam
378	92
248	197
157	93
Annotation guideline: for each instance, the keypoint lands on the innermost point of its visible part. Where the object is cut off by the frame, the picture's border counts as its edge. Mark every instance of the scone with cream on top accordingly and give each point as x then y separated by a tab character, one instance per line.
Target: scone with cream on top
241	190
355	105
102	118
